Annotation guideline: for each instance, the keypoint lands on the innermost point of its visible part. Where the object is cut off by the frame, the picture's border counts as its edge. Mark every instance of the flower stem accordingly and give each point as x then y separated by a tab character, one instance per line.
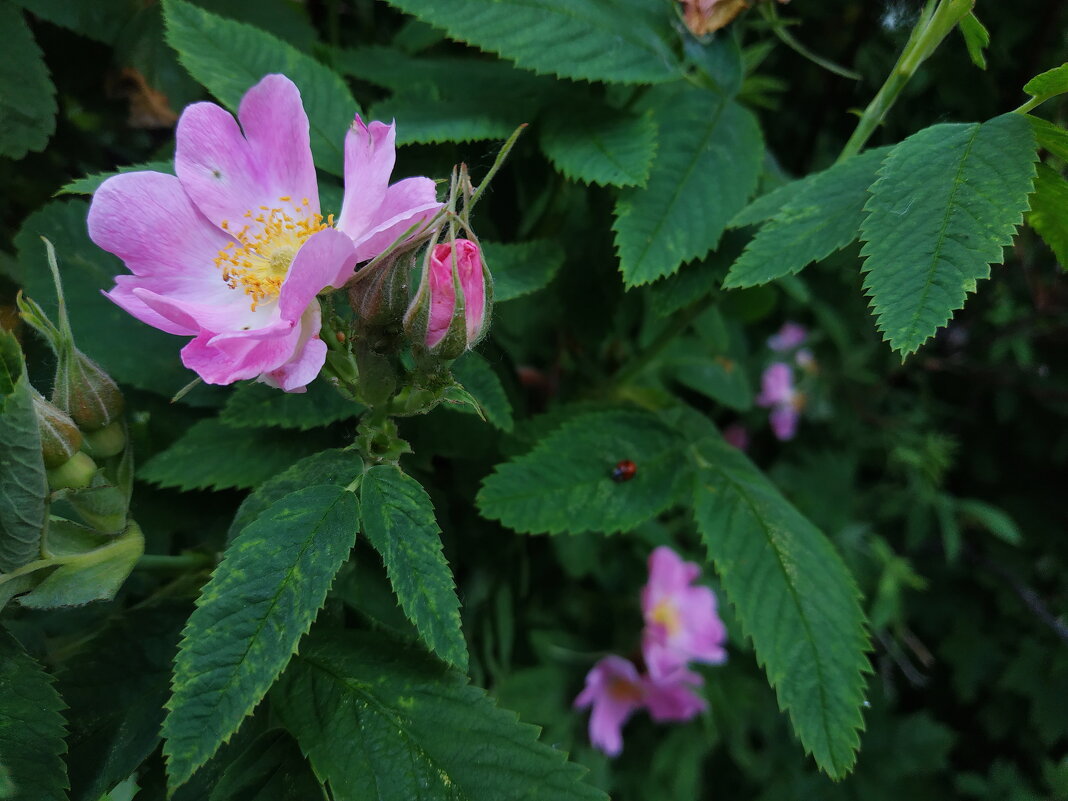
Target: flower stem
787	38
936	20
497	164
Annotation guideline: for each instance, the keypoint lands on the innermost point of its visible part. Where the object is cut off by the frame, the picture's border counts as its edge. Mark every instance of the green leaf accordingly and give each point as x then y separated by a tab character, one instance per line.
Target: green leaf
427	117
824	216
976	39
1049	211
116	687
379	720
255	405
479	379
335	467
565	483
249	618
720	377
90	183
993	519
95	575
27	94
230	57
1048	84
597	144
212	455
31	726
271	769
519	268
23	486
128	350
947	202
629	42
1049	136
706	168
793	596
767	206
102	20
398	519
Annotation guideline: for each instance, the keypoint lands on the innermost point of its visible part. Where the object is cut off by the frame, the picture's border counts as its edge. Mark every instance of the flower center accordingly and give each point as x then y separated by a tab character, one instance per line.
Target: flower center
623	690
667	616
258	262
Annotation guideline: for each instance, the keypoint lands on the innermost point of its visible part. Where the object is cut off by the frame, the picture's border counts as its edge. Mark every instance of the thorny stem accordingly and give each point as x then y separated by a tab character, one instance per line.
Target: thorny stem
934	24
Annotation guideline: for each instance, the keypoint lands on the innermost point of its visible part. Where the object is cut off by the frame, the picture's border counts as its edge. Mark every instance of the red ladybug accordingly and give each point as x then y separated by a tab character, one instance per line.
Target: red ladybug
624	471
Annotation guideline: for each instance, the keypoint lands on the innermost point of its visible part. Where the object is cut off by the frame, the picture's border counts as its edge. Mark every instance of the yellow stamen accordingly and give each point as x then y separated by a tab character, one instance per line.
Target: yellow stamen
623	690
667	616
258	264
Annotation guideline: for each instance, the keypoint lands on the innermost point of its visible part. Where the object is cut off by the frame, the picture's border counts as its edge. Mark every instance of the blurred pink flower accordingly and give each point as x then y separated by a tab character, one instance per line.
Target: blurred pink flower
737	435
778	394
681	623
233	250
790	336
616	690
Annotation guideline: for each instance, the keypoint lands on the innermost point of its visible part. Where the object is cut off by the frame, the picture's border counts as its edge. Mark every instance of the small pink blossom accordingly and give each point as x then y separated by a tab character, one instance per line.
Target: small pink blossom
681	623
790	336
441	320
778	394
737	435
233	250
616	690
805	359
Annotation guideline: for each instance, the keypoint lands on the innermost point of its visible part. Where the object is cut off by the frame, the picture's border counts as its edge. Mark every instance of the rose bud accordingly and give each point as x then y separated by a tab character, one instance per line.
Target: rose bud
60	437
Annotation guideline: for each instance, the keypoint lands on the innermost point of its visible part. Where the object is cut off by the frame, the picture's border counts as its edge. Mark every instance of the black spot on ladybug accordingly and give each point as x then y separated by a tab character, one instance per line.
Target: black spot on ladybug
624	471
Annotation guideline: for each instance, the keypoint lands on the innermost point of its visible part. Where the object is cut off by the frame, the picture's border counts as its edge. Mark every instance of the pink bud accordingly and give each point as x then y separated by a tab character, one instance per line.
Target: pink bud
444	323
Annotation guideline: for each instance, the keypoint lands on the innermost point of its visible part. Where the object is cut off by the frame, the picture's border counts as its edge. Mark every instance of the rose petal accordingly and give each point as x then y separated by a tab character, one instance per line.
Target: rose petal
369	158
325	259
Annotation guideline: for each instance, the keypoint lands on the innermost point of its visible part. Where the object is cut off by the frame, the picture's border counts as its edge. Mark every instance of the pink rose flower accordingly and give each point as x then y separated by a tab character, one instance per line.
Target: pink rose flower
616	690
681	623
790	336
778	394
439	320
233	251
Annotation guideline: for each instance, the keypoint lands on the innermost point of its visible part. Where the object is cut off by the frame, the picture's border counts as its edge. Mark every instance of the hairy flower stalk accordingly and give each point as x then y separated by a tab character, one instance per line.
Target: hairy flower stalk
234	249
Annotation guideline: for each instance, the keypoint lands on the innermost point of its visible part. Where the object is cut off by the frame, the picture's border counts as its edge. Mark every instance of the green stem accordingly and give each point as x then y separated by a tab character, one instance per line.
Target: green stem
681	322
174	564
497	164
772	16
935	23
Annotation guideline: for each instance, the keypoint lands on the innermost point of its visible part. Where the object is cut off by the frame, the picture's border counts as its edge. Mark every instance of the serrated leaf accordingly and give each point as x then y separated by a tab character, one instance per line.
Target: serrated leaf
380	720
271	769
597	144
824	216
90	183
255	405
92	576
707	164
102	20
565	483
116	687
260	601
1048	84
335	467
767	206
519	268
976	39
718	377
425	116
478	378
947	202
1049	211
229	57
27	94
212	455
990	517
793	596
23	486
398	519
31	726
629	42
1049	136
130	351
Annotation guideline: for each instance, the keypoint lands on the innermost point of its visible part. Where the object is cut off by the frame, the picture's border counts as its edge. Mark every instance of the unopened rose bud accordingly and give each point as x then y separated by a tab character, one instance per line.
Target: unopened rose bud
85	391
108	441
380	299
450	312
75	473
60	437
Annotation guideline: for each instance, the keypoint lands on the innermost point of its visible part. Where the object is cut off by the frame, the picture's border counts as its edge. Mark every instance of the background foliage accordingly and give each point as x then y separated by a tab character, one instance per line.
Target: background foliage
893	578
